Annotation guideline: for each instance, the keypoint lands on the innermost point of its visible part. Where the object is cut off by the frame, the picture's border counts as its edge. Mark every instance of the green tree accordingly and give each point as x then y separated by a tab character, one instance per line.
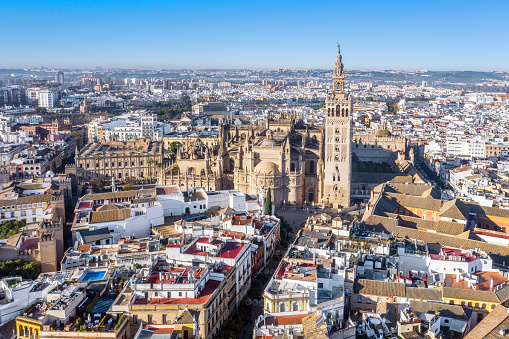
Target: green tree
53	167
159	166
174	146
185	101
268	202
41	110
150	163
9	228
128	187
23	268
79	176
97	184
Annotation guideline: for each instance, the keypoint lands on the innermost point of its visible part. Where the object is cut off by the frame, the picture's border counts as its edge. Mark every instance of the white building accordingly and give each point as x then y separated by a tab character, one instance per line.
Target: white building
473	148
134	219
47	98
19	294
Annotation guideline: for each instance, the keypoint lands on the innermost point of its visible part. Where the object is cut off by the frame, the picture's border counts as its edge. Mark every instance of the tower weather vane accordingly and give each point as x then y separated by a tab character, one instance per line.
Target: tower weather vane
338	48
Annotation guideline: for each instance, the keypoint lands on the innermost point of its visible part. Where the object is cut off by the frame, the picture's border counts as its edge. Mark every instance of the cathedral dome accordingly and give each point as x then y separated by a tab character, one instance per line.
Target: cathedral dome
383	133
267	167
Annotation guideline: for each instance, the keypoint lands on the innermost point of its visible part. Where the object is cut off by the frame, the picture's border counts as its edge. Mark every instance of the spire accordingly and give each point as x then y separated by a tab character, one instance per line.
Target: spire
246	143
338	78
338	68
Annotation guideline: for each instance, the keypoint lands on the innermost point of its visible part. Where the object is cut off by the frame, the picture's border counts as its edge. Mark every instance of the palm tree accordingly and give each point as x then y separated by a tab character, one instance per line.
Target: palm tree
159	167
79	176
150	163
97	159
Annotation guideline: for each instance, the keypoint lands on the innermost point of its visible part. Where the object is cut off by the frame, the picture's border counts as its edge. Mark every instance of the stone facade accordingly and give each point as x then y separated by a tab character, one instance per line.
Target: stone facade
283	154
337	162
140	158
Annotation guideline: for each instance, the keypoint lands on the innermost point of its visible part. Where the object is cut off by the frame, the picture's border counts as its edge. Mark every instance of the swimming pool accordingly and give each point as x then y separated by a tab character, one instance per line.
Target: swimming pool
92	275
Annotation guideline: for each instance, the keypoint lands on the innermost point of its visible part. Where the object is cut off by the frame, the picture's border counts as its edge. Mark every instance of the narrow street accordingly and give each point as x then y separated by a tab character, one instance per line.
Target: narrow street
296	219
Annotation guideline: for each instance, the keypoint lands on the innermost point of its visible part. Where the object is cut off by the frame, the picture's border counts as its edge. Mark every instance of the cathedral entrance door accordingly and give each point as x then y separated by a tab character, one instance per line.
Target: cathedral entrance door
311	197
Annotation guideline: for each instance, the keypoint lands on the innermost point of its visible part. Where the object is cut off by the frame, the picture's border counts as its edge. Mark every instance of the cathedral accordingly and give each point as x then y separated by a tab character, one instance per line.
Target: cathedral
300	163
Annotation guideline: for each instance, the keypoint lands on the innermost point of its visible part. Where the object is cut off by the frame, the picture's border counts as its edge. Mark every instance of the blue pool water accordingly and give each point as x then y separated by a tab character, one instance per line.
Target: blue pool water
93	275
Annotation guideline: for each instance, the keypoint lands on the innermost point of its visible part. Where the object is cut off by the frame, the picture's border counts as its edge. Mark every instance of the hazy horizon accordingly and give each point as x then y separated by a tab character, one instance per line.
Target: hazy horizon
394	35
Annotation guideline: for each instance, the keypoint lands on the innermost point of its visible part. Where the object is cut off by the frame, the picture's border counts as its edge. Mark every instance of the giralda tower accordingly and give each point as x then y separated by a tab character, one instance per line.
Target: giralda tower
337	141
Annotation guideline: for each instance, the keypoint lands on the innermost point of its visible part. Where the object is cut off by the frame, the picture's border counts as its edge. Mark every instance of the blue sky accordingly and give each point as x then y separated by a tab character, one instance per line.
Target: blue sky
403	35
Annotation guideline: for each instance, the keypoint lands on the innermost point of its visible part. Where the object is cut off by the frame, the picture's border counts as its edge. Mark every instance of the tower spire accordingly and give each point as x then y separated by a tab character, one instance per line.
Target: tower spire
338	77
336	152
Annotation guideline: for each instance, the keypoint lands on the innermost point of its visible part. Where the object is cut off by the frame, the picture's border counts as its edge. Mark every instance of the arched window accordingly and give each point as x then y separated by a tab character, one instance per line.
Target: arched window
462	303
346	112
282	307
311	167
483	306
476	305
469	304
295	306
451	302
292	167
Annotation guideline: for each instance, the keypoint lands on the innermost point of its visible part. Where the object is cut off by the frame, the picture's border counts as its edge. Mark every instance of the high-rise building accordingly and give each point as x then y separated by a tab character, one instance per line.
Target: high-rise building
337	140
147	125
59	77
47	98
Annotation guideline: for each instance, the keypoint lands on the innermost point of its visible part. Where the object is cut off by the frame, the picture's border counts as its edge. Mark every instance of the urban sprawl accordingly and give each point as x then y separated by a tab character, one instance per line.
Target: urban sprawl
154	204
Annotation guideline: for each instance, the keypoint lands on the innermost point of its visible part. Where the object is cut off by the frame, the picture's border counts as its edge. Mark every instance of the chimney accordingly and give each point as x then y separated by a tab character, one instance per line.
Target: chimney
491	283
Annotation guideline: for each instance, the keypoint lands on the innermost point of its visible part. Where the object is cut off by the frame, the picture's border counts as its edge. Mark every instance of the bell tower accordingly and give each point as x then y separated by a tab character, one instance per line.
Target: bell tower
337	157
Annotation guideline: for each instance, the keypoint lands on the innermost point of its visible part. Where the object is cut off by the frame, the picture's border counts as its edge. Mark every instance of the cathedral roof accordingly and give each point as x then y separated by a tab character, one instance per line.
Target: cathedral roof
269	142
267	167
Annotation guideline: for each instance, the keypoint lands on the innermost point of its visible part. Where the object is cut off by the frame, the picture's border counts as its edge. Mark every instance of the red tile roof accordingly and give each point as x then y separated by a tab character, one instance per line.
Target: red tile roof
167	190
292	319
232	249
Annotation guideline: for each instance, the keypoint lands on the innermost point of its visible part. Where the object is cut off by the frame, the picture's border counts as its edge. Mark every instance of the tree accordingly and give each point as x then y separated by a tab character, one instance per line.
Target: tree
53	167
159	168
25	269
185	101
97	184
128	187
97	158
150	162
79	176
41	110
174	146
268	202
9	228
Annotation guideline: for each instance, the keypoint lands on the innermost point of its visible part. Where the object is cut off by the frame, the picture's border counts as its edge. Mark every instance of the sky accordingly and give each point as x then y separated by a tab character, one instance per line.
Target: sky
381	35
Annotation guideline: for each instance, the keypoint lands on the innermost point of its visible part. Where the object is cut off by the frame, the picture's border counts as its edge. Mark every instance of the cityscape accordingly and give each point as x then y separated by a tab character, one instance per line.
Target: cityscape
190	195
